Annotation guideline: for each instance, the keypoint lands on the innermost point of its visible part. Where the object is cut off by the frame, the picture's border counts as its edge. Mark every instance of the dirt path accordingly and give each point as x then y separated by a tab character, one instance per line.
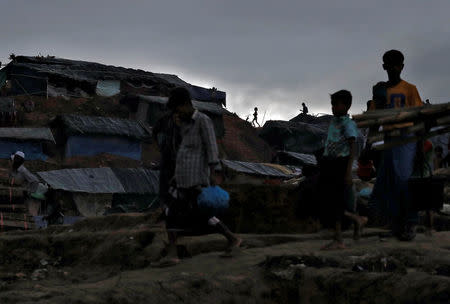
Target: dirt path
93	264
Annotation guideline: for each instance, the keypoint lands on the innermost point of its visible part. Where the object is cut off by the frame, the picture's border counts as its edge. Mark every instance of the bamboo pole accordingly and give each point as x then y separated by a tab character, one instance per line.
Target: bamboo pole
407	140
425	110
403	117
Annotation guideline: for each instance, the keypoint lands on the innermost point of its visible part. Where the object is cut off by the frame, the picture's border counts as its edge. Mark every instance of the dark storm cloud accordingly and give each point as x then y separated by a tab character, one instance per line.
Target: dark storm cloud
273	54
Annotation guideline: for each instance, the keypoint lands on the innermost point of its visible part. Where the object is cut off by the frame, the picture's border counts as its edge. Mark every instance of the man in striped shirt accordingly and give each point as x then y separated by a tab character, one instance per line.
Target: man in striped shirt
196	158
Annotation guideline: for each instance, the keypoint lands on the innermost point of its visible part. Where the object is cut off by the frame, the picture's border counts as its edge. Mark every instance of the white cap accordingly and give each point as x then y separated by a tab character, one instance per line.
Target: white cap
20	153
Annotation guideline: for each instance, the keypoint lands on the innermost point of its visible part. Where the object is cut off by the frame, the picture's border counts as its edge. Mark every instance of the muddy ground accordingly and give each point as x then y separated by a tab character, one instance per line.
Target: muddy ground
106	260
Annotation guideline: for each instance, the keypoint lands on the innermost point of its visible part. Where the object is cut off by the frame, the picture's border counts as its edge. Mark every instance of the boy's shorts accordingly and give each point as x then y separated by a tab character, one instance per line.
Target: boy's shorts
334	193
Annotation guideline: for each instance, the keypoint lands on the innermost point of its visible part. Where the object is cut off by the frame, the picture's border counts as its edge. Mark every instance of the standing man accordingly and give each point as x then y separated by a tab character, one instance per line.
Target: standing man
390	197
196	157
305	109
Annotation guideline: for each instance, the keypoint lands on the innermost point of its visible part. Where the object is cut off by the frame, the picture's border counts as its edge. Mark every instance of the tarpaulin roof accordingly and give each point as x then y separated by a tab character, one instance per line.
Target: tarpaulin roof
261	169
322	121
307	159
78	124
294	136
27	134
138	180
91	72
103	180
88	180
210	107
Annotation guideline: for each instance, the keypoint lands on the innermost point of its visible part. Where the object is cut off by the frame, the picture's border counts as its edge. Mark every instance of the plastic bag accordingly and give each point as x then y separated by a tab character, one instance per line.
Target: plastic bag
213	200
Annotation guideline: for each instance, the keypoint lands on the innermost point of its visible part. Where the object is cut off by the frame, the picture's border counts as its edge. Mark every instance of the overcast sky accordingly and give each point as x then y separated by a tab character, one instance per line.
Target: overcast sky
265	53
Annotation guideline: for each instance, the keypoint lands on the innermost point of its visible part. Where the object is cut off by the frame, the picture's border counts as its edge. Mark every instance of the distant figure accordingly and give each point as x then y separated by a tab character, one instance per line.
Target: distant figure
427	102
305	109
255	118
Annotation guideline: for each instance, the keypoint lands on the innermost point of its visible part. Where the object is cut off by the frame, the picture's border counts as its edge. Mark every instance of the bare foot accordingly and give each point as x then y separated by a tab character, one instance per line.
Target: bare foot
360	222
334	245
232	249
236	244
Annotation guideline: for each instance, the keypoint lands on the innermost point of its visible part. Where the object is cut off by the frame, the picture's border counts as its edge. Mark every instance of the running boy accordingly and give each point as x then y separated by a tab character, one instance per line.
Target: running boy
255	118
336	168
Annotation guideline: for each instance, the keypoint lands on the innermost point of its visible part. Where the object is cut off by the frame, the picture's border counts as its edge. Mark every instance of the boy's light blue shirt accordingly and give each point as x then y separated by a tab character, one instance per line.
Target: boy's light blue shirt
341	129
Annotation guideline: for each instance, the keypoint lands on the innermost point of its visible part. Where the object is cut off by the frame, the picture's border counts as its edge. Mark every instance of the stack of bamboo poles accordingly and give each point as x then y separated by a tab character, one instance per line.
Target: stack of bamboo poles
404	125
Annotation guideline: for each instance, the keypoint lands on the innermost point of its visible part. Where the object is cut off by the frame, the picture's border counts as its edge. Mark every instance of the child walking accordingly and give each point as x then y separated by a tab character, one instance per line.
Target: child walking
336	169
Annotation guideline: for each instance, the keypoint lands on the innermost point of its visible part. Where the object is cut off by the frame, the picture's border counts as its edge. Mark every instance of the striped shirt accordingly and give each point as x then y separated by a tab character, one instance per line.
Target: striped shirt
198	150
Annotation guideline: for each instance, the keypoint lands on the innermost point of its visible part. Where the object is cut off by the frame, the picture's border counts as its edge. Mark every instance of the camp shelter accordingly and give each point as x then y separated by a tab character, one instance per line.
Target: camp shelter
93	135
294	136
94	191
141	190
295	159
34	142
34	75
239	172
151	108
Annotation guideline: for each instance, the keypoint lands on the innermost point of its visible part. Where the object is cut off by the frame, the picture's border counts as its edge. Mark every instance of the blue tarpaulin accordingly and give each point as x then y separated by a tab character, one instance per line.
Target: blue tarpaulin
108	88
94	145
39	221
32	150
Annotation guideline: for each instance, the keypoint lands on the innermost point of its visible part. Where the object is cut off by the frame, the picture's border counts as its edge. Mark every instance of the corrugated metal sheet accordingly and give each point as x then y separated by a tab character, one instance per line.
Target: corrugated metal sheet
305	158
211	107
27	134
138	180
104	180
79	125
255	168
87	180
